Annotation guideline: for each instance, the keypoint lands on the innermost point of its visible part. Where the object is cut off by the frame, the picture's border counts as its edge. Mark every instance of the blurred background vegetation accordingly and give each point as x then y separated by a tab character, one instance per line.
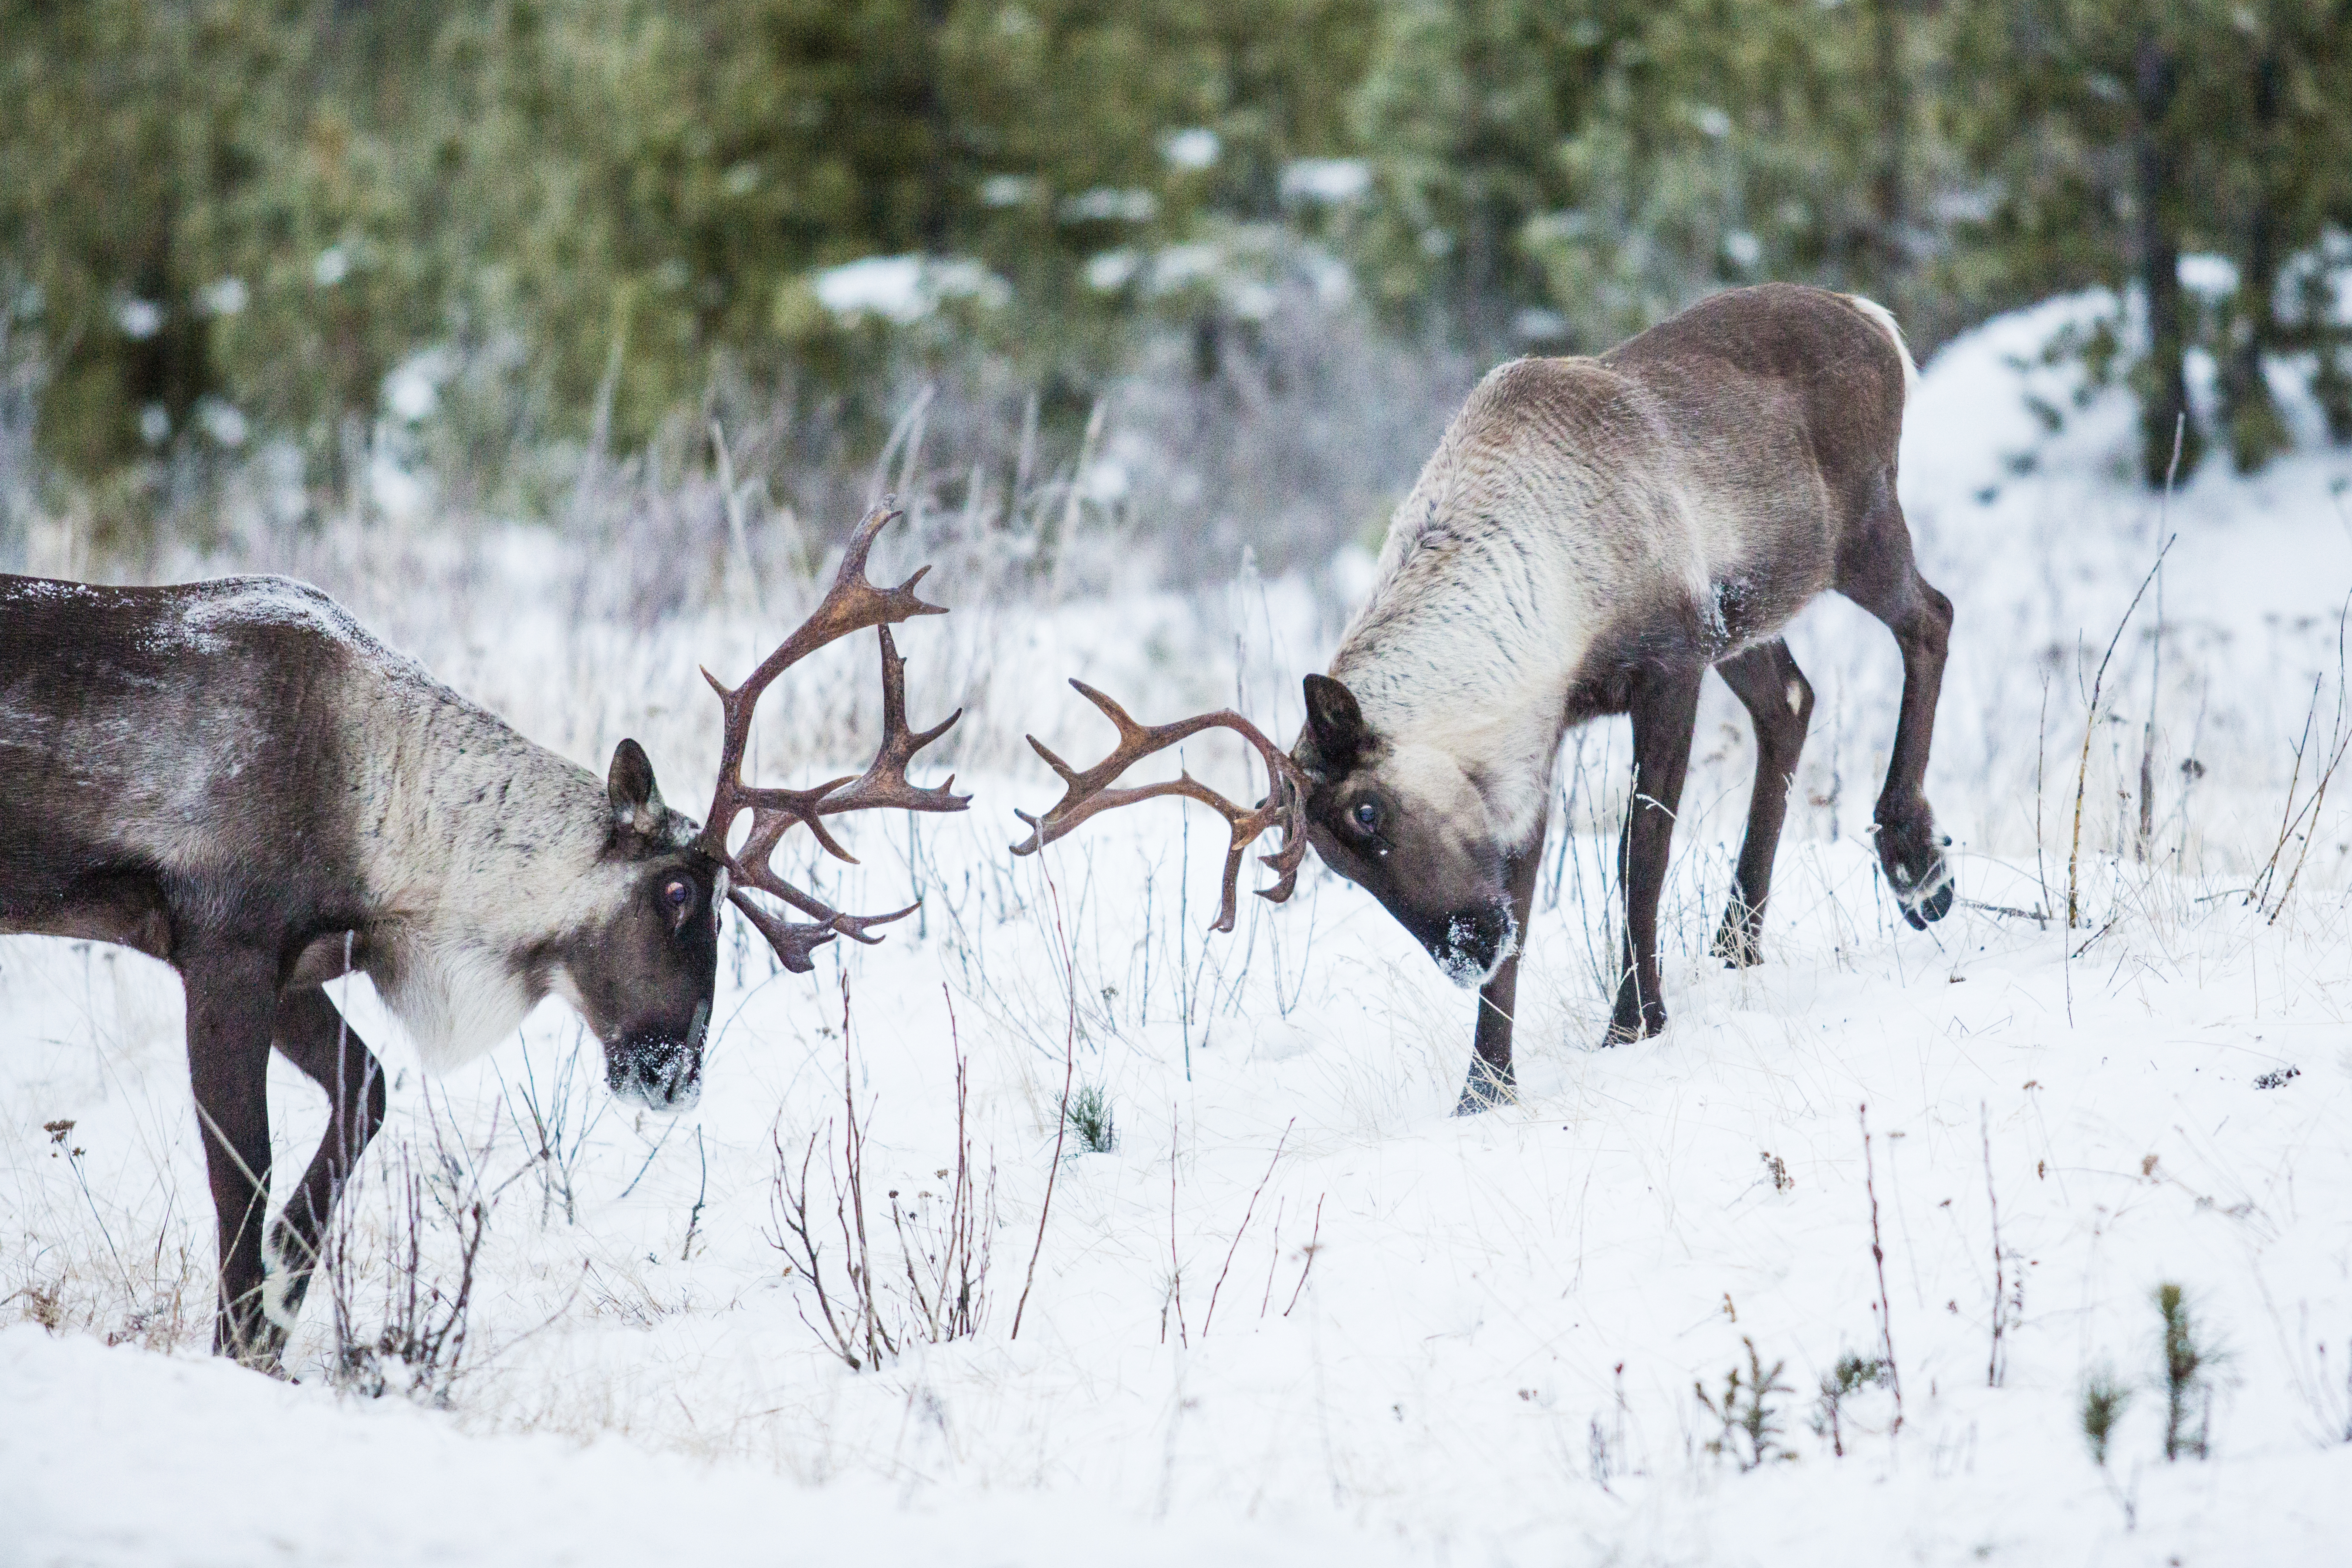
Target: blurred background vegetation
313	255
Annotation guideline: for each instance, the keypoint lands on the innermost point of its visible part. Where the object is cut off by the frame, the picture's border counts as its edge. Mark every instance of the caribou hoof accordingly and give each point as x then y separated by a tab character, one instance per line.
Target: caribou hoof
1932	905
260	1351
1739	943
1487	1087
1634	1021
1912	857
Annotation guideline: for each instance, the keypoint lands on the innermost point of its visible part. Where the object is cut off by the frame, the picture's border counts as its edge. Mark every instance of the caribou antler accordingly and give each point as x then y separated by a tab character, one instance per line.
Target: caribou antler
851	605
1088	794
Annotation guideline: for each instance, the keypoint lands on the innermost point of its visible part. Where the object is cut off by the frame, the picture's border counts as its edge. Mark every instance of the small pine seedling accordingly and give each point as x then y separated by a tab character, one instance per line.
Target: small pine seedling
2189	1364
2103	1398
1089	1113
1851	1376
1746	1413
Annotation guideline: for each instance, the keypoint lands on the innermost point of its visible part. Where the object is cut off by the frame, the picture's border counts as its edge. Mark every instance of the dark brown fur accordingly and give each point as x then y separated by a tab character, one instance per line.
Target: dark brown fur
1660	510
234	778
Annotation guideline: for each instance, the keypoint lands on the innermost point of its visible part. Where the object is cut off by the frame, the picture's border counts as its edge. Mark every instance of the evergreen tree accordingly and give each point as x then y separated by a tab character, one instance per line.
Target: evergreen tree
2119	136
1611	163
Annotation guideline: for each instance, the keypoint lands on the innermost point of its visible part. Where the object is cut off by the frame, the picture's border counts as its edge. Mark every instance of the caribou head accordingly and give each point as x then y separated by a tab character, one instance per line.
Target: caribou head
1590	537
649	960
648	995
1402	826
1409	825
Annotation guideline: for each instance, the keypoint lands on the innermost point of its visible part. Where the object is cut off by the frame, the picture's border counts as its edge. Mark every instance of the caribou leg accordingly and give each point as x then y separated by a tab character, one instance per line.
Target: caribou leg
1882	577
1779	702
232	993
1492	1081
312	1035
1665	705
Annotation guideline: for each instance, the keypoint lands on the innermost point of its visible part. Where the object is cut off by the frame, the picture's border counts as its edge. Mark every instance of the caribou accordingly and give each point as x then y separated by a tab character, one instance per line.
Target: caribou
1590	538
234	777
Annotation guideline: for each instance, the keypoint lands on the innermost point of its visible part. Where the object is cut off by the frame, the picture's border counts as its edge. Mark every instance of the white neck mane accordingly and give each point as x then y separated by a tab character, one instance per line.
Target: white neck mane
1475	628
477	846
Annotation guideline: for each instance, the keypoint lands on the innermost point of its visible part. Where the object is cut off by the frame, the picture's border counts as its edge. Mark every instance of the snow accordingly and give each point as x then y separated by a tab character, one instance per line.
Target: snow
221	420
1108	272
2210	277
1330	180
1488	1356
139	319
1192	149
413	389
420	1496
224	296
1108	204
1008	190
904	289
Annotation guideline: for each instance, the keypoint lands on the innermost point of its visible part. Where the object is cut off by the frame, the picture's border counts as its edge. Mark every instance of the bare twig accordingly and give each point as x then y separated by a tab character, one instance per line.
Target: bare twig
2339	740
1265	1298
418	1348
2156	661
955	1254
1175	1262
1994	1365
2041	755
1314	1245
694	1220
855	1329
1246	1213
789	1201
2091	724
1878	1256
1062	1113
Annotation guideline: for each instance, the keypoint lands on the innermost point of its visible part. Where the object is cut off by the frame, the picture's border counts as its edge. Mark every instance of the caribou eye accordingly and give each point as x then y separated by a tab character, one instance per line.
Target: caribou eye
678	894
1367	815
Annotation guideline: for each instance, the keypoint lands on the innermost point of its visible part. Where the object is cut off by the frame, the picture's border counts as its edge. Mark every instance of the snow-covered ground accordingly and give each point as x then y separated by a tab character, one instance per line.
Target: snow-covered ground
1298	1312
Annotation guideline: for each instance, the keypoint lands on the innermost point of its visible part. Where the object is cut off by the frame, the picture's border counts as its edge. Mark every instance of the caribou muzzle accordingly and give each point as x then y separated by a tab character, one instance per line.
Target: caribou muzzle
657	1069
1472	943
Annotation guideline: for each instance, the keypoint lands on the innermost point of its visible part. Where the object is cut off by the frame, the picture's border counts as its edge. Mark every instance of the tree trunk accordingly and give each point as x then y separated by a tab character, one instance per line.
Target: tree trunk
1888	196
935	222
2164	386
2257	431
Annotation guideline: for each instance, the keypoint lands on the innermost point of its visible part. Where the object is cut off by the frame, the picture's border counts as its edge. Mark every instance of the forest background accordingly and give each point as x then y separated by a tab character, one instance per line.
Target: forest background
285	253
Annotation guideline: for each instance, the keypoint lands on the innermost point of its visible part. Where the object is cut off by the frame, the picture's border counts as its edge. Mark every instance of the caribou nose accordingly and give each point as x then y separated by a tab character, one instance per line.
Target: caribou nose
660	1075
660	1071
1475	942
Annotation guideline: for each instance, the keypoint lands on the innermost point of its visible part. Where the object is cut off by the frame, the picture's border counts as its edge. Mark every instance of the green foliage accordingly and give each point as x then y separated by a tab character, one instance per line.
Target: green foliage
579	222
1852	1374
2189	1359
2104	1399
265	205
1610	163
1751	1426
2112	138
1089	1115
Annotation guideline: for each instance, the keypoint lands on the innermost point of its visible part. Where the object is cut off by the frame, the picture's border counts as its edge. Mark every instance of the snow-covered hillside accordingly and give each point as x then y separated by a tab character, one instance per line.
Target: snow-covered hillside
1297	1312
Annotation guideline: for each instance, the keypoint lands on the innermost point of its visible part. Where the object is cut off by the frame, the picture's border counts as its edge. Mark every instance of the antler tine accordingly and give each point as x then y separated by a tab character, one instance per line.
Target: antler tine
1089	794
854	926
853	602
793	940
885	782
851	605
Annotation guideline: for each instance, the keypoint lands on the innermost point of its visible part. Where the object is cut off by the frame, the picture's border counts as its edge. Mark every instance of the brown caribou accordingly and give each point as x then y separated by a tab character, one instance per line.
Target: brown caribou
1590	537
234	777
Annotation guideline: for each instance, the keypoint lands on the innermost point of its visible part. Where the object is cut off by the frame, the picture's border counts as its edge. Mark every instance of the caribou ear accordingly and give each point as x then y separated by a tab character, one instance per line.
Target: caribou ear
1335	723
629	786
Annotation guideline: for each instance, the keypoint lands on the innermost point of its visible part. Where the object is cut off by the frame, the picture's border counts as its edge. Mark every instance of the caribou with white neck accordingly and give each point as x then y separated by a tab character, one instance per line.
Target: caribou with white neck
236	778
1590	538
